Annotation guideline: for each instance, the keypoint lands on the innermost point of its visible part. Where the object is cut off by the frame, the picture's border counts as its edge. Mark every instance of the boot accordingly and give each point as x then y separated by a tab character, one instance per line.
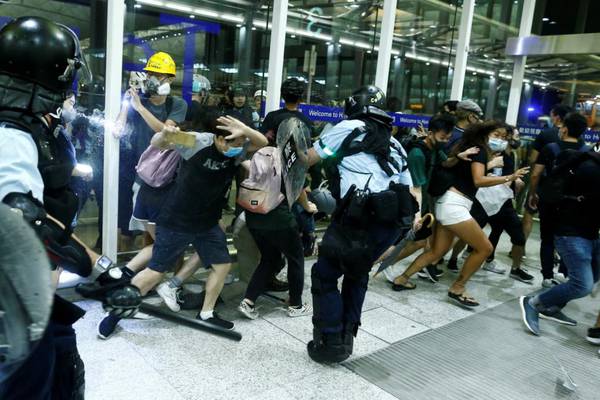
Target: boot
349	334
327	348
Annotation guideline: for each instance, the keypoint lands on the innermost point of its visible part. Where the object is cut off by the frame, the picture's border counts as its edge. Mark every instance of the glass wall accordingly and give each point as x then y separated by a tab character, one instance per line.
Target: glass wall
332	46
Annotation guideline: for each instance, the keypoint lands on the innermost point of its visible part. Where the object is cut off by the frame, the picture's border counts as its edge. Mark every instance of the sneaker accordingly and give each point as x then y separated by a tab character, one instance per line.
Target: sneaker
169	296
247	310
530	315
429	272
560	277
277	286
548	283
559	317
217	322
492	266
452	266
521	275
304	309
229	279
107	326
593	335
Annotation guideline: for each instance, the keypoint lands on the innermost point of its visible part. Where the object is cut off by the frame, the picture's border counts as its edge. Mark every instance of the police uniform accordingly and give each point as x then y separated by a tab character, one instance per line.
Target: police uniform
337	314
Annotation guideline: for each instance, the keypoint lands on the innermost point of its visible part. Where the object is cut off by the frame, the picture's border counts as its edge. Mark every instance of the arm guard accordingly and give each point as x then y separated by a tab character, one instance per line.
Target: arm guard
62	249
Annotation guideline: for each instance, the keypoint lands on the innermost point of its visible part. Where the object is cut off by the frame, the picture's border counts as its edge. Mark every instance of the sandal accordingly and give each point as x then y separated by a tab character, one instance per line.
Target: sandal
463	300
406	286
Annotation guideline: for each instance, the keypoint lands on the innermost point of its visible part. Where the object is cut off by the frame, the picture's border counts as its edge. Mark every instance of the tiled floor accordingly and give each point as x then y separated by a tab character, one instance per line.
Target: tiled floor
153	359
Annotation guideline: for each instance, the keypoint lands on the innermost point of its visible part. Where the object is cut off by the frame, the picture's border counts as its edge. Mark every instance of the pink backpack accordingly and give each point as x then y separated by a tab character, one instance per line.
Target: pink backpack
261	191
157	167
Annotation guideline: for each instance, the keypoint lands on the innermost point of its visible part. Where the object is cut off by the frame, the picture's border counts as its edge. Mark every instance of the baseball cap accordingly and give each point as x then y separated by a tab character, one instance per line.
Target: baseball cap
469	105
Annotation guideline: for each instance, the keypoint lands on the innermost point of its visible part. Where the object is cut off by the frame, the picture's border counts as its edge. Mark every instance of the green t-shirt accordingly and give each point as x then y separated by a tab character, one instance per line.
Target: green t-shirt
420	171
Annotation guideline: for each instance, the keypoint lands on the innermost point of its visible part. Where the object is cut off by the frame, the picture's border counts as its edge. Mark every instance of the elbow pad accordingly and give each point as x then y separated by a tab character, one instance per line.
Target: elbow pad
62	249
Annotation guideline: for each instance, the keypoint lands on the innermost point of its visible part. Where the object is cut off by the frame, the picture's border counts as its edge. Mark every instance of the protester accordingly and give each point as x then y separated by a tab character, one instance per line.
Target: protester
577	222
452	209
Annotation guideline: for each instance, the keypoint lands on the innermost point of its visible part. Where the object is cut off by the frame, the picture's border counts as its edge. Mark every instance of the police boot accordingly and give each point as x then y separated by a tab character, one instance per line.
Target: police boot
327	348
349	334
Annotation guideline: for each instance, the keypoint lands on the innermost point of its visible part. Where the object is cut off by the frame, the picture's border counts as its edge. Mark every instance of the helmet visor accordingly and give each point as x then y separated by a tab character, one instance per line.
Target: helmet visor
77	67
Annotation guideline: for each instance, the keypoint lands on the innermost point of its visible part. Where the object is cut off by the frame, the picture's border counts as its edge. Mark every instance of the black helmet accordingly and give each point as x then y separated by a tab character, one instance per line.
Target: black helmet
360	99
236	90
41	51
292	89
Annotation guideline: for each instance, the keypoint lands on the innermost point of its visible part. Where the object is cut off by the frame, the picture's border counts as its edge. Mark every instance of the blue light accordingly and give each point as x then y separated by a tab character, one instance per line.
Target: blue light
530	109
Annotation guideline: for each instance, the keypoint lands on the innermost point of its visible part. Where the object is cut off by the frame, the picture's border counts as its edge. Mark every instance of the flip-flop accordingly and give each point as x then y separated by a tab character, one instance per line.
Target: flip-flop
407	286
462	300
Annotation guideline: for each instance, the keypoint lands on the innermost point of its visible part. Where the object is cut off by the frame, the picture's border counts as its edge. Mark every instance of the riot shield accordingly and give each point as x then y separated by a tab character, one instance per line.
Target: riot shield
293	138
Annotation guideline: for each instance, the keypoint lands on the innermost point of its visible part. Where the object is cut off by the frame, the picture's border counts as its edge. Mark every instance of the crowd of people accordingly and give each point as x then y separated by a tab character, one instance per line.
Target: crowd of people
180	162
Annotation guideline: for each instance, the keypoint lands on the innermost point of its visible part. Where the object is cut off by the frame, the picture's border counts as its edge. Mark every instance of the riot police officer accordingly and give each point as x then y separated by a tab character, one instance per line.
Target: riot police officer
40	61
370	180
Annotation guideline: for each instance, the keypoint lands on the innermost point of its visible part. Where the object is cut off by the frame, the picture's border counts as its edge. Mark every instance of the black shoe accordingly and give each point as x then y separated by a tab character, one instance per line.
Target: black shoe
217	321
350	332
277	286
593	335
521	275
430	273
329	350
452	266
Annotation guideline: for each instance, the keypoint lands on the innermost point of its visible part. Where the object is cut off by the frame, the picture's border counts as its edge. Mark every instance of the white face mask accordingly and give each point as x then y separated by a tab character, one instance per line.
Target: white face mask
68	115
153	86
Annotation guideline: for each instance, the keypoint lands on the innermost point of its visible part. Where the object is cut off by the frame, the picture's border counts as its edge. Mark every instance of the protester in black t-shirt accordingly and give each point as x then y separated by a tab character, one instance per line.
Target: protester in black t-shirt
576	237
276	233
452	208
193	210
570	131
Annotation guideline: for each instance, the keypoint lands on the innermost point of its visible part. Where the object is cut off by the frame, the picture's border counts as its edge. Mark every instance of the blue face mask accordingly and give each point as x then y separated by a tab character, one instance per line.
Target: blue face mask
233	152
497	145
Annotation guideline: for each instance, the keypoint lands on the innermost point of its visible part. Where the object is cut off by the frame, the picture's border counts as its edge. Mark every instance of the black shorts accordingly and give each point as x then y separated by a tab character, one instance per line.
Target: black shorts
508	220
211	246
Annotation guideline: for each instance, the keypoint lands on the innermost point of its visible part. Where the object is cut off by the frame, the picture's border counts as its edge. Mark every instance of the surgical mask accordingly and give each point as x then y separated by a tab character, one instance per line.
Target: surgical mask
515	144
68	115
497	145
233	152
154	87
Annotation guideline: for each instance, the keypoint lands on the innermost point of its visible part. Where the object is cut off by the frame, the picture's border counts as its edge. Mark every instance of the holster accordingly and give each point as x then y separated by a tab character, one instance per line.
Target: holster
348	247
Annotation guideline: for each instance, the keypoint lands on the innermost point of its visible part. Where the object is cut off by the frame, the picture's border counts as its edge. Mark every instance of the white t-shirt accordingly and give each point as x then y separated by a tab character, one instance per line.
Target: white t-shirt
18	164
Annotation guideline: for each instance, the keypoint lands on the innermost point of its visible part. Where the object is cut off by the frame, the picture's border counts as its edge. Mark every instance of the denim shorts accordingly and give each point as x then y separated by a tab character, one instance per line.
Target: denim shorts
149	202
211	246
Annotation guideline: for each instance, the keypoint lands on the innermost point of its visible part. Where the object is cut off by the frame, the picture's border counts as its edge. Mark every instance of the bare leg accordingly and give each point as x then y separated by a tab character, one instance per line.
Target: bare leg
457	249
214	285
146	280
441	243
473	235
527	225
189	267
407	251
598	322
143	257
517	256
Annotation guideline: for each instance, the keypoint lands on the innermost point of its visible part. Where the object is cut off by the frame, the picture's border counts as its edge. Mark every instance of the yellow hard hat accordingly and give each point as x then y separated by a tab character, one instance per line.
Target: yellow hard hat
161	63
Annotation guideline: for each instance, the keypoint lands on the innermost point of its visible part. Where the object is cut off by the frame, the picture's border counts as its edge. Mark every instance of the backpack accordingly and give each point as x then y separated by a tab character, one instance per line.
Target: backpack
261	191
156	167
348	148
557	186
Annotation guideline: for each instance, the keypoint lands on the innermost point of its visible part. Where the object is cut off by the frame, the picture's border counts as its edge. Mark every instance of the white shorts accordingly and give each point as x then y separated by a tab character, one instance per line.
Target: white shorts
452	208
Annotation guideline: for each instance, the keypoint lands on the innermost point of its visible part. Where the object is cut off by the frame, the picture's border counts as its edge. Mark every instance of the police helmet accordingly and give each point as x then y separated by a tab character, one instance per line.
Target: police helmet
292	89
364	98
43	52
323	199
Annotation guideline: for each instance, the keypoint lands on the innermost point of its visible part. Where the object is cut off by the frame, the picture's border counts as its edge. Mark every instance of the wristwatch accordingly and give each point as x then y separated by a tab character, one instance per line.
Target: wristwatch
106	264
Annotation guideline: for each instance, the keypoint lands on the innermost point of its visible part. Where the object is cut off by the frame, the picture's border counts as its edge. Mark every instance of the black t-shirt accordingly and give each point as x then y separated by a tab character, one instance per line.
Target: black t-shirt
463	177
200	192
548	154
545	137
274	118
581	218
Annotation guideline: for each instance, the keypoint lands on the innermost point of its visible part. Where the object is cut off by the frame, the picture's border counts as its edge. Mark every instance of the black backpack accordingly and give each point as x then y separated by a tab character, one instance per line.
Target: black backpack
347	148
557	186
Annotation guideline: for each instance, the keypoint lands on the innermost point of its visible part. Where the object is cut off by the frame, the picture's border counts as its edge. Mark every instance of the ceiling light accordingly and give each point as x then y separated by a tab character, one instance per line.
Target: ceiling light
205	12
178	7
156	3
192	16
137	6
545	19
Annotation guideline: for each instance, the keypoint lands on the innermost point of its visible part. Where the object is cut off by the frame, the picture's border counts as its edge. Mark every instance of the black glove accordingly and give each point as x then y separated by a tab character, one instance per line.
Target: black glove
119	297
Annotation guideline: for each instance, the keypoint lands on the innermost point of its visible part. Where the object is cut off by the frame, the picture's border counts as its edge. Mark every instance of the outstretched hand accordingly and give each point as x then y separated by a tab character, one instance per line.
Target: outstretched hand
234	126
466	155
